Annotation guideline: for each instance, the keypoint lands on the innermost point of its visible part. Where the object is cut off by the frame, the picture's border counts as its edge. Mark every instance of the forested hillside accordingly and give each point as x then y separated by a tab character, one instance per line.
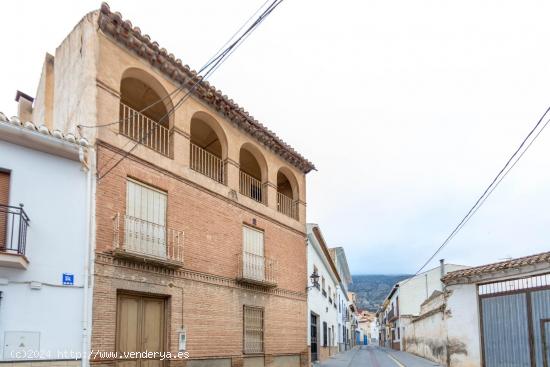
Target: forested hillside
372	289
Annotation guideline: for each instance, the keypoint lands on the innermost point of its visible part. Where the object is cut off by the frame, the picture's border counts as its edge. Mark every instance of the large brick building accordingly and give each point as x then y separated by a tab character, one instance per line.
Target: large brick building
199	215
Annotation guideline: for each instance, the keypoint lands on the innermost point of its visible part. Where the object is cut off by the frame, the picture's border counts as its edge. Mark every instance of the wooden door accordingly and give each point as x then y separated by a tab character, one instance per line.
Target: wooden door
140	328
4	200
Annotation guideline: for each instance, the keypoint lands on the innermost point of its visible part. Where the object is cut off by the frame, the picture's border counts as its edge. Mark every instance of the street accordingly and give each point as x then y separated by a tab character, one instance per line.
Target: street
372	356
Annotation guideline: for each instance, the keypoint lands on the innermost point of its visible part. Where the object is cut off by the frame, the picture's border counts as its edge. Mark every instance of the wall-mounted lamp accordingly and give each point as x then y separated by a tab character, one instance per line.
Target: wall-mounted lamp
314	281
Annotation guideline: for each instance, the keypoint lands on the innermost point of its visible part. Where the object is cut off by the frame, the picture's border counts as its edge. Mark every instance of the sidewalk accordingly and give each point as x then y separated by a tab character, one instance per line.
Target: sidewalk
342	359
408	359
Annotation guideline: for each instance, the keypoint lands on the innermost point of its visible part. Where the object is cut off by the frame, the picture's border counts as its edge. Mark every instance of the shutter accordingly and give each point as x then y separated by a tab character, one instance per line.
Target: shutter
4	200
4	187
145	222
253	254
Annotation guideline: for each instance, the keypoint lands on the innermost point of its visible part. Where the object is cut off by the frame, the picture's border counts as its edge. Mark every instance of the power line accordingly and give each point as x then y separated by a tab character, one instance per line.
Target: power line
492	186
213	64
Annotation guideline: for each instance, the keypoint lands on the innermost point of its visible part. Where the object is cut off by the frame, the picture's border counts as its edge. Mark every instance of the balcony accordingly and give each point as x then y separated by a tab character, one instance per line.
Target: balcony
145	241
391	315
13	236
257	270
144	130
251	187
207	163
287	206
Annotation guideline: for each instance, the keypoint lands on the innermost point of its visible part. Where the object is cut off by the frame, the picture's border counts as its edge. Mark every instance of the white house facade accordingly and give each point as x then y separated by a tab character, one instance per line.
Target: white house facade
405	300
45	196
344	335
322	298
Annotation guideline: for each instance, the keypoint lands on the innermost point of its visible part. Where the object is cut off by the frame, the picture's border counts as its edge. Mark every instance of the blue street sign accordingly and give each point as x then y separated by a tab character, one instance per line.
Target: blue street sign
68	279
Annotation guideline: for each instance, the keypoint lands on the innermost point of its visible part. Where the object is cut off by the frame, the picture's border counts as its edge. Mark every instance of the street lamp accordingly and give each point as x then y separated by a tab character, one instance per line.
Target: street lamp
314	280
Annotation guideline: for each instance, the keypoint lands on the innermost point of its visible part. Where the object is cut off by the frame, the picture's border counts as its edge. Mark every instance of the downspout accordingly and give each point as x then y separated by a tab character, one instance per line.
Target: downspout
88	260
442	273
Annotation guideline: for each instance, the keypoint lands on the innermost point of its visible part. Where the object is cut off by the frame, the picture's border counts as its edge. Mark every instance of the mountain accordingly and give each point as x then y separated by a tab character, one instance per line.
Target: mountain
371	290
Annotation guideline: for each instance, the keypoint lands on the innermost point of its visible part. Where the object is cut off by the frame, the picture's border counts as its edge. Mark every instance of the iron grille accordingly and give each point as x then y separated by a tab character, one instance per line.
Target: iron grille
253	329
514	285
13	229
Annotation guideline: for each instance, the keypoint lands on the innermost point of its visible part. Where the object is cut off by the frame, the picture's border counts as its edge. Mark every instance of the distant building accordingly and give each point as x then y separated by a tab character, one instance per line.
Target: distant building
44	244
491	315
345	335
322	298
404	302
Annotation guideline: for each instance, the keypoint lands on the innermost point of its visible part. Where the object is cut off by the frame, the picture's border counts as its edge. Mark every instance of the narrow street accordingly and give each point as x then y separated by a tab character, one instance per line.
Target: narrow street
372	356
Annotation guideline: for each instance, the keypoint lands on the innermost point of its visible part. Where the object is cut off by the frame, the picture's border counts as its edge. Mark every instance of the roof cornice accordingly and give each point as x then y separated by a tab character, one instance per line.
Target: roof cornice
131	37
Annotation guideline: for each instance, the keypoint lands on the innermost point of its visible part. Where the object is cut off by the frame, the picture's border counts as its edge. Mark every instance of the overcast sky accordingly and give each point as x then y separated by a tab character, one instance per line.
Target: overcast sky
407	108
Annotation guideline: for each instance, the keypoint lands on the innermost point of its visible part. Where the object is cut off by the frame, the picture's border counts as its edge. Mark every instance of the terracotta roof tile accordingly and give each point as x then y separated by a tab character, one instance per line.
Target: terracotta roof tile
499	266
132	38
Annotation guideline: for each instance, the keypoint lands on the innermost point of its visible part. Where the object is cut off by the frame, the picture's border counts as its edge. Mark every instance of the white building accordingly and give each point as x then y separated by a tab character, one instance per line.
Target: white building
404	302
322	303
491	315
344	313
45	193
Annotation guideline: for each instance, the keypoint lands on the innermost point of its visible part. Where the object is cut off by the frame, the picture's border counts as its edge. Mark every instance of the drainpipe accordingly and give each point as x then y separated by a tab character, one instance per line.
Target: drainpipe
89	258
442	269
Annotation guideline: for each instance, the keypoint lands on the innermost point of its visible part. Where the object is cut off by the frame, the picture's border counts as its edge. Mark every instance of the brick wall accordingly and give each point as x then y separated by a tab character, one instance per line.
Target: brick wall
212	299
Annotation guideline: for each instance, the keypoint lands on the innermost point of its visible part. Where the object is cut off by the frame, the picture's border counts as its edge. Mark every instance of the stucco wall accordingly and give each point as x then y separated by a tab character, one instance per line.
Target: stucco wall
75	77
317	303
463	325
415	291
53	191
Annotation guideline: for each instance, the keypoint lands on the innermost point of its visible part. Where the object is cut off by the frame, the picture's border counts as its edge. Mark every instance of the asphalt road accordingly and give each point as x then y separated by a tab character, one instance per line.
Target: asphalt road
372	356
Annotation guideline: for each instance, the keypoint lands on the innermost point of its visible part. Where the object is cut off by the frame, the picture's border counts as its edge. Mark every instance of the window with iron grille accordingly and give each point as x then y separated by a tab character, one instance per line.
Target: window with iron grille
253	329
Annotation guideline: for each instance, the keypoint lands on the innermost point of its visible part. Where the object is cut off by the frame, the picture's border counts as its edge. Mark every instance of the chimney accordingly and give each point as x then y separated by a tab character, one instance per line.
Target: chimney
442	270
24	108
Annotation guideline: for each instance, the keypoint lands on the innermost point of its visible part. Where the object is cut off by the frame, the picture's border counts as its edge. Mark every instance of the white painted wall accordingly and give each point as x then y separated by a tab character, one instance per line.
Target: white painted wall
416	290
463	324
318	303
455	331
53	191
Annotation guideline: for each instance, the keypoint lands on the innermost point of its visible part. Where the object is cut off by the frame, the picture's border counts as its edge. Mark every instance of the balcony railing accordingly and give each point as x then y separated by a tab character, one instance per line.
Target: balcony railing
13	229
257	269
134	236
391	315
144	130
207	163
251	187
287	206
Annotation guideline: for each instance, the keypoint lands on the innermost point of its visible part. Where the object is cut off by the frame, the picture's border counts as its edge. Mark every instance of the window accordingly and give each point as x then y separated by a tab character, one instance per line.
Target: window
4	200
325	337
323	286
145	219
253	329
253	254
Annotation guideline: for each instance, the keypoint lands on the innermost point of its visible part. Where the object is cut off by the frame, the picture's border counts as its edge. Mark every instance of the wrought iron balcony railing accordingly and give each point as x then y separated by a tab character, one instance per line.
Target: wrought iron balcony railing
144	130
251	187
138	237
13	229
256	269
207	163
287	206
